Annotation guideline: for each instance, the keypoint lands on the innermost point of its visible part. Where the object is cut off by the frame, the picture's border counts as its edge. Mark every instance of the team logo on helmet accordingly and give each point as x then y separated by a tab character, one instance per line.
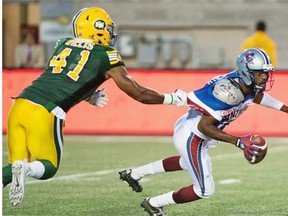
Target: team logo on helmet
100	24
248	58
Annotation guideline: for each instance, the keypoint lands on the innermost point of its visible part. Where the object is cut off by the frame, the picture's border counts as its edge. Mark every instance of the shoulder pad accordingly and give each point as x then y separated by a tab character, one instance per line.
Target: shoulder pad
228	92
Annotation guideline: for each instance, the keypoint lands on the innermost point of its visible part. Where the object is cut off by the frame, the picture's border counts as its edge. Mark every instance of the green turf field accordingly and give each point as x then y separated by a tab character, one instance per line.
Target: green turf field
87	182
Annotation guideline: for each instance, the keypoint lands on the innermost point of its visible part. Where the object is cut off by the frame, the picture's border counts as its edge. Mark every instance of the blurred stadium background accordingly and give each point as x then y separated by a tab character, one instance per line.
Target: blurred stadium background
183	34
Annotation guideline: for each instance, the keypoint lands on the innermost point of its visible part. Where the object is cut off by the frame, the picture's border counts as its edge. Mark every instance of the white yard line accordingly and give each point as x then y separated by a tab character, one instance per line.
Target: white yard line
164	139
97	175
75	176
90	175
229	181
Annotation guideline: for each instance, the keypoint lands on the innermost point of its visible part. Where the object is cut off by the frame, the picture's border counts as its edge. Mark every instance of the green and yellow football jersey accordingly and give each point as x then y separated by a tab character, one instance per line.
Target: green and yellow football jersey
76	69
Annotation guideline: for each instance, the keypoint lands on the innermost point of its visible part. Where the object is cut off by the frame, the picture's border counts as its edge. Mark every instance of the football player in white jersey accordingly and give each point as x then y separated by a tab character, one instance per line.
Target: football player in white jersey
211	108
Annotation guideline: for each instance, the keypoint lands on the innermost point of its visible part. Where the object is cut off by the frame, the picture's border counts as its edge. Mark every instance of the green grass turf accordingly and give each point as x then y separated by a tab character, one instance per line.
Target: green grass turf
260	189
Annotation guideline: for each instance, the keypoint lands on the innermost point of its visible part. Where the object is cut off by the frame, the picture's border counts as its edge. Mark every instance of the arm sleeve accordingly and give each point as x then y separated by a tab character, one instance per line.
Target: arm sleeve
269	101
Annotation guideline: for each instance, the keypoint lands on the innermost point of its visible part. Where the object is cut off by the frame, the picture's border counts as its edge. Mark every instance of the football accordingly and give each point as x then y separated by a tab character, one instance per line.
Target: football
261	143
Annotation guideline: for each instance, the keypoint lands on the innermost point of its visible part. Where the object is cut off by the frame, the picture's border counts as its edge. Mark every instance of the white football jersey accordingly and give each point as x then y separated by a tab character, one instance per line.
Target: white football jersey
225	110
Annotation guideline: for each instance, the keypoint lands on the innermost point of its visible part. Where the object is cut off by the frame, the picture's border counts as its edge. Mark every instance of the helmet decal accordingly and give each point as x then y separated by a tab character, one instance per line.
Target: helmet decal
100	24
248	58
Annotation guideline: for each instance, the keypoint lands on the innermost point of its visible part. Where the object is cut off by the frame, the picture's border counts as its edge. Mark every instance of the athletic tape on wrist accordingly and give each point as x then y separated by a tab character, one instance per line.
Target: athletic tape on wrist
168	99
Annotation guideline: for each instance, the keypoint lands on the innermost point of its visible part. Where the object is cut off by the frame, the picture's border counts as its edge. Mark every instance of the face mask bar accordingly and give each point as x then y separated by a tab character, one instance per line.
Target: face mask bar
113	35
270	81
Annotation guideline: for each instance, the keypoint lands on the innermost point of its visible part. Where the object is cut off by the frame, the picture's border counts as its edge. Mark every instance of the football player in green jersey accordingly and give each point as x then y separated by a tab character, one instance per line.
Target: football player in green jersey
78	66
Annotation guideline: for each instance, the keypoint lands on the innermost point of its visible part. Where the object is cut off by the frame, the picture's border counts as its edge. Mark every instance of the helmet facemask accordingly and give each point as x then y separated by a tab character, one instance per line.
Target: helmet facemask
268	82
113	34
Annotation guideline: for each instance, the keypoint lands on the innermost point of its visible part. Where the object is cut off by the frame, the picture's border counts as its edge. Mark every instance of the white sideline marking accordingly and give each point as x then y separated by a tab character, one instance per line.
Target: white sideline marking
229	181
97	175
91	176
76	176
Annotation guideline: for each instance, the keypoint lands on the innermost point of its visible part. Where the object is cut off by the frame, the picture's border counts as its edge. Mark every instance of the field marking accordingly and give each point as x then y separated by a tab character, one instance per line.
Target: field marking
270	149
88	176
75	176
229	181
97	175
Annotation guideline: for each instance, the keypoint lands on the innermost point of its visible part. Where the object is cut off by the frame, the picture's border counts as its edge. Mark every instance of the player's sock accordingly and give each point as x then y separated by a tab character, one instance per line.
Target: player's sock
50	169
185	194
37	169
148	169
6	175
162	200
172	164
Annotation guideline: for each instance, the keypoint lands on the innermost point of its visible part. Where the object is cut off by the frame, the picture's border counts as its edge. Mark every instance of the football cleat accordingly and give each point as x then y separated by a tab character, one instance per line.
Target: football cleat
134	184
152	211
20	174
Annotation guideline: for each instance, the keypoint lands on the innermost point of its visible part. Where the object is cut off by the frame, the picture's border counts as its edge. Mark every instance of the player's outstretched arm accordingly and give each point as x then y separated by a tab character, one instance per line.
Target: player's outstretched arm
268	101
143	94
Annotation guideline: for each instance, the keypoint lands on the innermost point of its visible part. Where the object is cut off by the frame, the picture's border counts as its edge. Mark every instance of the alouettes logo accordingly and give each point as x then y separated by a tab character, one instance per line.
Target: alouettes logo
235	112
248	58
100	24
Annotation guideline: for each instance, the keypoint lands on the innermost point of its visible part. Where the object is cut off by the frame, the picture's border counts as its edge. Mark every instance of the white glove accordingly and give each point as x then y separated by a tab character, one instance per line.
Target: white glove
98	98
178	97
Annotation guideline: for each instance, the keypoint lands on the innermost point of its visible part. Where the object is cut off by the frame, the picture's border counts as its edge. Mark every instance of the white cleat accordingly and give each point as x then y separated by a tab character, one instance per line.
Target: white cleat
19	176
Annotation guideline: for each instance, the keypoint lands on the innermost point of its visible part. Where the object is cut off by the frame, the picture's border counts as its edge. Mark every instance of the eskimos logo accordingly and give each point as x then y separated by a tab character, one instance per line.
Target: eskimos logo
100	24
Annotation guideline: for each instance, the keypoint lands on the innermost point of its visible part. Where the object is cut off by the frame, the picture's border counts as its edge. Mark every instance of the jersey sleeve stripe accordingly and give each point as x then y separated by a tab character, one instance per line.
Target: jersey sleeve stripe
113	56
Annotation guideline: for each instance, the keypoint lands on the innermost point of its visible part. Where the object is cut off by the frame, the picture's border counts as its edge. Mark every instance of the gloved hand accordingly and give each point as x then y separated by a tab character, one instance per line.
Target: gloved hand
178	97
248	146
98	98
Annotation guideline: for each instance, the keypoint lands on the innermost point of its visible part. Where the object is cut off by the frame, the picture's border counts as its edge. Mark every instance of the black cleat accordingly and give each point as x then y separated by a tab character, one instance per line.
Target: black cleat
134	184
152	211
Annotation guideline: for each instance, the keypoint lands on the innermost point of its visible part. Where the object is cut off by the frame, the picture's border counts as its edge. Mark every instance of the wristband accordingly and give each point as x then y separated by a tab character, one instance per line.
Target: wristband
271	102
239	144
168	99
